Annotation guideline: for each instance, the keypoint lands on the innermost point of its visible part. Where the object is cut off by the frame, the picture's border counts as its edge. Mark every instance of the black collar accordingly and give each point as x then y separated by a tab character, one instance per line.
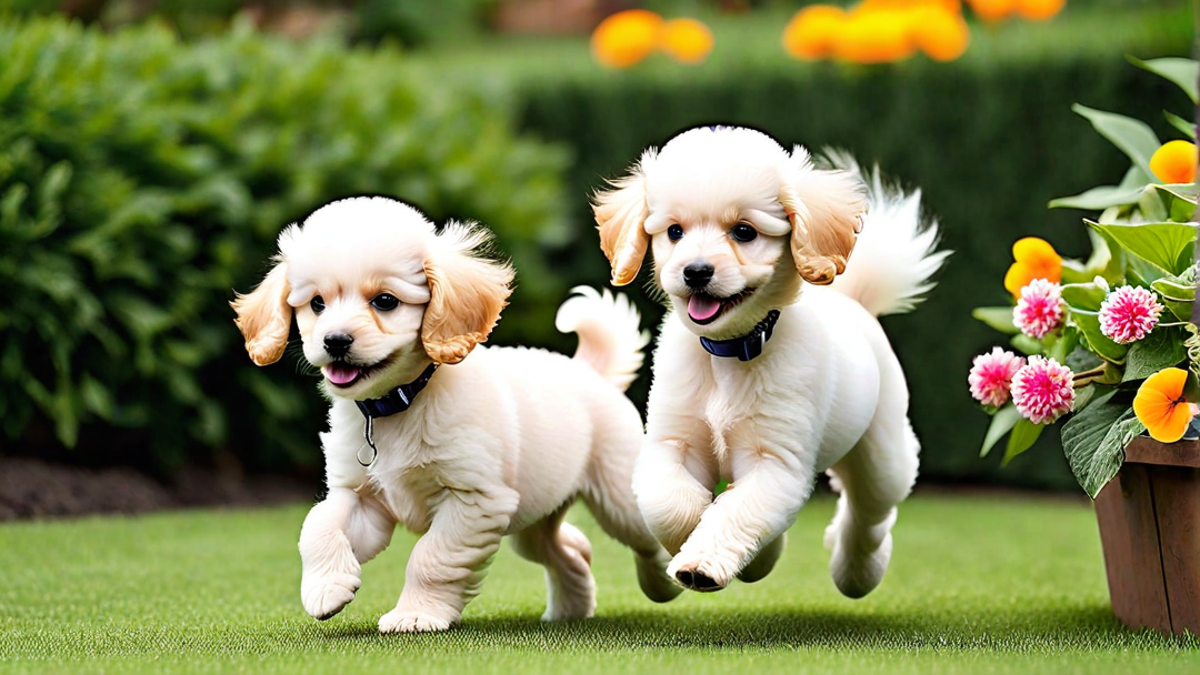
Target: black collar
397	400
746	347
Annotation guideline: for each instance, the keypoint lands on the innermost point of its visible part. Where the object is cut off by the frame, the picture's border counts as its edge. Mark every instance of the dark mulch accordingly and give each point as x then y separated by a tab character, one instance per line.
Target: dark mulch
30	488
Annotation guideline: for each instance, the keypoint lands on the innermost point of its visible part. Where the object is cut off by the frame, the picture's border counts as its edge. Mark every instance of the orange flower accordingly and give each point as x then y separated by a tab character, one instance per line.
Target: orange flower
992	10
1160	405
627	37
1034	259
940	33
687	40
1039	10
1175	162
874	36
811	32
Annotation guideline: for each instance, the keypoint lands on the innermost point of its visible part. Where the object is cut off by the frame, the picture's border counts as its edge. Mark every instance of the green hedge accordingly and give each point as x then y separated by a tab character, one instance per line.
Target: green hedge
142	180
990	139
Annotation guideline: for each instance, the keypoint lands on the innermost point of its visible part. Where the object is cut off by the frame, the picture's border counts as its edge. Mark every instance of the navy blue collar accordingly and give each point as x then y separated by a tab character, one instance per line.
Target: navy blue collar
746	347
395	401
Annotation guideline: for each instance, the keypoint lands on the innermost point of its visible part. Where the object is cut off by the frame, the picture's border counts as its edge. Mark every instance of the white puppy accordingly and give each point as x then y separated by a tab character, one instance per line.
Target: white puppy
499	443
755	382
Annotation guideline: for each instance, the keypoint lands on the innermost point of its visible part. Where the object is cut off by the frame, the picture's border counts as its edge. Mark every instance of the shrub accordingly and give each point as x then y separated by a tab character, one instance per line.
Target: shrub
141	180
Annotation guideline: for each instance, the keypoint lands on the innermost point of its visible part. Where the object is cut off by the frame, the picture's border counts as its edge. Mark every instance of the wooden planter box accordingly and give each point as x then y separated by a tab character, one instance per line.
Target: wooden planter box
1150	528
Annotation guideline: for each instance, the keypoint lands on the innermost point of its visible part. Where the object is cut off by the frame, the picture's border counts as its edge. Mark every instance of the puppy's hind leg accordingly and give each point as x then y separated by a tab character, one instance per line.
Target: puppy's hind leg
566	554
873	478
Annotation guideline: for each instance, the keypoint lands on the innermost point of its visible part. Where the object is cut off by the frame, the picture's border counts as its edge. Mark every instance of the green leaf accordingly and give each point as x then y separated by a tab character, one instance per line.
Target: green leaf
1084	296
1023	436
1174	288
1188	128
1025	344
1088	323
1167	246
1132	137
999	318
1098	198
1002	423
1094	442
1162	348
1183	72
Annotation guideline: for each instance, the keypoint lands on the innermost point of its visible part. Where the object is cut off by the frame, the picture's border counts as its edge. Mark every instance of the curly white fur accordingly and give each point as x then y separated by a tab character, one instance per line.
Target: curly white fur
500	442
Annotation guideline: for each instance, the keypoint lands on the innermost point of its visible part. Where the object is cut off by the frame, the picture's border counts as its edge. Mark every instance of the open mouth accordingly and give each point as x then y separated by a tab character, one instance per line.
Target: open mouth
704	309
342	374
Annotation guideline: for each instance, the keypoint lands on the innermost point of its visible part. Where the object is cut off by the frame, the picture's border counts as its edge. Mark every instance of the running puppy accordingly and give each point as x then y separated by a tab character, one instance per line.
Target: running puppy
771	366
460	444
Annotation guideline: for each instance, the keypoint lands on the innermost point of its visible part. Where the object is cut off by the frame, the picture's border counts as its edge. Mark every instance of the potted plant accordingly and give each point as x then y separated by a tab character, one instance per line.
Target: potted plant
1110	345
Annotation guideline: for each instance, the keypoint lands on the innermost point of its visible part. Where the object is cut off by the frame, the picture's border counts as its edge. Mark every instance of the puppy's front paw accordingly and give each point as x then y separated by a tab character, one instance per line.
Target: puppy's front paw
326	595
697	574
403	621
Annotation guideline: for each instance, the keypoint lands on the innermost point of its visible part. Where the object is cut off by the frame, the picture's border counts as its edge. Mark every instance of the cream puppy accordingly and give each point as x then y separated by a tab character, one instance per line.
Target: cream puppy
770	367
460	444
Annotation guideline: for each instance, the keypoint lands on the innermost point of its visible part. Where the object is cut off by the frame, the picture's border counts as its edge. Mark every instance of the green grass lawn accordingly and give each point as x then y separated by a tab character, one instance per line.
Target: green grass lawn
977	585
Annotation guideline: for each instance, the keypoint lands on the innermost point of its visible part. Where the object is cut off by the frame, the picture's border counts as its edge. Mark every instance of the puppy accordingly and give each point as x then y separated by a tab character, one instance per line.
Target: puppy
770	367
498	442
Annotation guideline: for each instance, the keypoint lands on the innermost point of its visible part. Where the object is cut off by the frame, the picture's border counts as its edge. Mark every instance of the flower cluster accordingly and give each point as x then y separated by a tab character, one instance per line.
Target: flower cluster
991	376
1043	390
1040	309
626	38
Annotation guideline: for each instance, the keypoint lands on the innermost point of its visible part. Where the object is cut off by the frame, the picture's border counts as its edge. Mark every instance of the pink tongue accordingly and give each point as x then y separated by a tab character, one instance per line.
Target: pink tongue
702	307
339	374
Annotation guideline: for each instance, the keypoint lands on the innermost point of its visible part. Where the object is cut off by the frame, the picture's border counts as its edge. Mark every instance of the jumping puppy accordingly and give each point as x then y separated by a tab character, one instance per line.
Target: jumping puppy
460	444
770	367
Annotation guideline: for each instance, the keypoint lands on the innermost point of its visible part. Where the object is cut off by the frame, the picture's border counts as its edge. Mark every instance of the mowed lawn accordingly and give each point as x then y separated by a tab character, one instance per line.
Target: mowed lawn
978	584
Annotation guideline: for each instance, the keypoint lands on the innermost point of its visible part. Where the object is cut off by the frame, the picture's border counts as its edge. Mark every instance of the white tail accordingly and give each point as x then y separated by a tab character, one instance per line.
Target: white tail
610	334
896	255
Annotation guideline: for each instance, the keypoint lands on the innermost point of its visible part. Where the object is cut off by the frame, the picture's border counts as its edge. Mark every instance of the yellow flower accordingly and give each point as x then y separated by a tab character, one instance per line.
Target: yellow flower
1160	405
1039	10
1034	259
874	36
687	40
941	33
625	38
811	32
992	10
1175	162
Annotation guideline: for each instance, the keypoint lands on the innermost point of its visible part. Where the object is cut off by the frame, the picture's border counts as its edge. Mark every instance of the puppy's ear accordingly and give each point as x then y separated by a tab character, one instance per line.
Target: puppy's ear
466	293
620	214
826	210
265	317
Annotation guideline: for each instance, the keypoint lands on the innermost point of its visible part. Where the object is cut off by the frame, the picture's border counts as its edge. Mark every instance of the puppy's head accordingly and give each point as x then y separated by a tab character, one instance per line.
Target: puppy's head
377	295
735	223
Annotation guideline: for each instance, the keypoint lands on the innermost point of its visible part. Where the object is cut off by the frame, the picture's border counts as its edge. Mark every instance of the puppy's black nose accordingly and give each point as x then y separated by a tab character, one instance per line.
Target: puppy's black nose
698	273
338	344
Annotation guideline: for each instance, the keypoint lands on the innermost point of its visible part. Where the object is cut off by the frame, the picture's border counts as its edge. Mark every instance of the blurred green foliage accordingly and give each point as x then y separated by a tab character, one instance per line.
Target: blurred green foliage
142	180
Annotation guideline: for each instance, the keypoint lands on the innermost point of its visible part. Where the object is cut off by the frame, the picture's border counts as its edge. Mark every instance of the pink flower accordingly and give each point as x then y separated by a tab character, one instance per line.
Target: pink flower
1042	390
1128	314
1040	308
991	376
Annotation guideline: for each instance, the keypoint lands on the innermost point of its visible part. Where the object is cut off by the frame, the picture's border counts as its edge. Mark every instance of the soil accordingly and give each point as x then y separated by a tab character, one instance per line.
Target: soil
30	489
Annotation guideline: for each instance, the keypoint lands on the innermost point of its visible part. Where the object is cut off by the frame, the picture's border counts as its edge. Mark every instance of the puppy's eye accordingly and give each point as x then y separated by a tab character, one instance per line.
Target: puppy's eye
675	232
317	304
743	232
385	302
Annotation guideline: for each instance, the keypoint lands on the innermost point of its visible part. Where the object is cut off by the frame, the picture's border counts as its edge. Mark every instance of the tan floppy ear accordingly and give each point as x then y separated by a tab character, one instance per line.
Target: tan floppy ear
466	292
826	209
620	213
265	317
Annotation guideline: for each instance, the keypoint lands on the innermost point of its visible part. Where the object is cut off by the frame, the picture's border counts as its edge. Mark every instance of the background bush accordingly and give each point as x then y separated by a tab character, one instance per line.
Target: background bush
990	139
142	180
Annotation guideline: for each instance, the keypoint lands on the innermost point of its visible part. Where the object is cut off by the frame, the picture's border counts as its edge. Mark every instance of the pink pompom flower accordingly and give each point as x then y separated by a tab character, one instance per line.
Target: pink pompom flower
991	376
1043	390
1040	309
1128	314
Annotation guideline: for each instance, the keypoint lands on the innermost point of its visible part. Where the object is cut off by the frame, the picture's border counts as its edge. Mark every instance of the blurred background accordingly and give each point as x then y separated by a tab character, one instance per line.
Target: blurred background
150	151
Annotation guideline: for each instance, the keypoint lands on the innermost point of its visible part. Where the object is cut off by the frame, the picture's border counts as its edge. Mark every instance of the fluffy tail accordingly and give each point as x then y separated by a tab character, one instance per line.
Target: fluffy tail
896	254
610	335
